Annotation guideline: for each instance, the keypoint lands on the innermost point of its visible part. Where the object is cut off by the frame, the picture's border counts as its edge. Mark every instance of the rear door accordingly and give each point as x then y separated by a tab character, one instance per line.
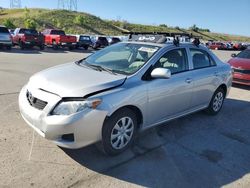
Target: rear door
205	77
170	97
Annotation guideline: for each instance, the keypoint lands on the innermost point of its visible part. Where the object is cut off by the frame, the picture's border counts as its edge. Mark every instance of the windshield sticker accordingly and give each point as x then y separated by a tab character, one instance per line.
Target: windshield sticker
147	49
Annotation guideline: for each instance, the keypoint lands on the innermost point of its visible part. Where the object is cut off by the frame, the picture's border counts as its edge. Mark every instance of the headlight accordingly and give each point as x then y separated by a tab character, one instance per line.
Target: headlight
71	107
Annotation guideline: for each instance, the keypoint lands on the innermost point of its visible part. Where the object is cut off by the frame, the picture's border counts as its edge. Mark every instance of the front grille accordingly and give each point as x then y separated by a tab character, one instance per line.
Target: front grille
35	102
241	71
241	80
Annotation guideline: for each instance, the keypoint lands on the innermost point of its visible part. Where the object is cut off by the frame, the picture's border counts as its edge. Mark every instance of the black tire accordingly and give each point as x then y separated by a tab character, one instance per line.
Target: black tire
109	129
71	48
8	47
22	45
85	47
41	47
218	94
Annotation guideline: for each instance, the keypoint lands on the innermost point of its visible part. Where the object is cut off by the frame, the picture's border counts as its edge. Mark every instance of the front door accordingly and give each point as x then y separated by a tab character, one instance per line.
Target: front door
170	97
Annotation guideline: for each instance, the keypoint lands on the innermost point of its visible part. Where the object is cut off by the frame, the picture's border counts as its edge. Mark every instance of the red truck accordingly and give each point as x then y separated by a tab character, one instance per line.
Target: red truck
27	38
57	38
217	46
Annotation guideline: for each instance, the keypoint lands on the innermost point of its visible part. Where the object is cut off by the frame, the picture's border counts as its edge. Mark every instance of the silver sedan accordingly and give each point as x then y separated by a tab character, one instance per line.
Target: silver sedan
122	89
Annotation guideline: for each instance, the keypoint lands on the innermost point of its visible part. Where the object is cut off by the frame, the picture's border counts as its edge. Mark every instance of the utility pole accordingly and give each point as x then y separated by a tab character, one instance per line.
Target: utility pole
15	3
67	5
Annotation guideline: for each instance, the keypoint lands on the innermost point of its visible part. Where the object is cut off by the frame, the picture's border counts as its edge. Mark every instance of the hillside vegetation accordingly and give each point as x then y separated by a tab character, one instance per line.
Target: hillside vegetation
79	22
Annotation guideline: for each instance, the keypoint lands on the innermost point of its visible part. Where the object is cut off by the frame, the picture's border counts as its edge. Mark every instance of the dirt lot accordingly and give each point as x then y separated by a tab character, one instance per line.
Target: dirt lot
194	151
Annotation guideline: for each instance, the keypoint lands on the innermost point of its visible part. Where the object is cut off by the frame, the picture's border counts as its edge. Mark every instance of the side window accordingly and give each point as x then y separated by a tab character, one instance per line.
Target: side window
201	59
174	60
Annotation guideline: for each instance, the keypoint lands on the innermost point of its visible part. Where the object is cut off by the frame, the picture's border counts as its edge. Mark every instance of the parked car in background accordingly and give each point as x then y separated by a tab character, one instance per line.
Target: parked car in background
217	46
5	38
27	38
99	42
57	38
114	40
239	46
241	67
246	45
229	46
122	89
83	41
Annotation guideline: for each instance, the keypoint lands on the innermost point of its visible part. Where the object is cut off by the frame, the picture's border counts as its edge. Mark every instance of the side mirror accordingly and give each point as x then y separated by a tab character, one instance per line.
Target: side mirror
161	73
233	55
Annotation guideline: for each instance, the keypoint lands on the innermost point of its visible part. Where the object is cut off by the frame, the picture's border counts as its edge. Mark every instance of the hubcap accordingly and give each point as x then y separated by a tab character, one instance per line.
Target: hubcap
218	101
122	133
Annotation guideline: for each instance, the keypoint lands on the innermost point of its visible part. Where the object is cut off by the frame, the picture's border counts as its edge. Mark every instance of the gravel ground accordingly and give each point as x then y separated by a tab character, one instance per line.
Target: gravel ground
194	151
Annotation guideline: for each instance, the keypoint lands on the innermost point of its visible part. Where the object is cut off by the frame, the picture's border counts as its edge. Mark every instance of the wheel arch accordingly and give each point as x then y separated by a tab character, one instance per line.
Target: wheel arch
224	87
135	109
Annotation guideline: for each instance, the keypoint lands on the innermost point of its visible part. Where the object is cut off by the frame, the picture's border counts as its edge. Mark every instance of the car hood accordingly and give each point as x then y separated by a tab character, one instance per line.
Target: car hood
240	63
72	80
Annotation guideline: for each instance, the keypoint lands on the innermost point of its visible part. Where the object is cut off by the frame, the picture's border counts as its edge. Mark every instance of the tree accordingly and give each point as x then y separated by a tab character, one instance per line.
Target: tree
194	28
79	20
163	25
30	23
26	13
9	24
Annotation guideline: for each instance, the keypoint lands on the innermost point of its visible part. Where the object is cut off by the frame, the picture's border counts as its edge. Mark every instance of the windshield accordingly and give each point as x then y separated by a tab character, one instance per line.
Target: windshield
244	54
122	58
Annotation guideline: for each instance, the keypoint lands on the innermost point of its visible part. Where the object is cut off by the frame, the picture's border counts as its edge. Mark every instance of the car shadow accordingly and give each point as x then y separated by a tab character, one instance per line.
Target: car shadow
194	151
17	50
240	86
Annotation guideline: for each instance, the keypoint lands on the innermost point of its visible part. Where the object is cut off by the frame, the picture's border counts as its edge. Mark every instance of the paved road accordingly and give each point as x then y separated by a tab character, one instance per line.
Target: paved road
194	151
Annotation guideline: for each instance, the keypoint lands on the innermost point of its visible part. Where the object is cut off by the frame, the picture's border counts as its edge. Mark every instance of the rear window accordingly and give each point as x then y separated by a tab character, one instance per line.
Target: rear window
84	38
57	32
116	39
28	31
103	38
4	30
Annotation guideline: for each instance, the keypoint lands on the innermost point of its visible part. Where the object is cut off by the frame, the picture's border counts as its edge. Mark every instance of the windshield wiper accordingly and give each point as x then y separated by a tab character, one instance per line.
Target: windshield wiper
101	68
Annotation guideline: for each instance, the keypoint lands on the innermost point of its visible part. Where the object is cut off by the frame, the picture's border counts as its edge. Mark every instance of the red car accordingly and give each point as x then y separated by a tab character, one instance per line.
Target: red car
58	38
241	67
217	46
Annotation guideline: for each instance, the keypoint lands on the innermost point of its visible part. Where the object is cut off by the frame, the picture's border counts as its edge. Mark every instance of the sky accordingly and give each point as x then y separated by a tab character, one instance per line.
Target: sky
222	16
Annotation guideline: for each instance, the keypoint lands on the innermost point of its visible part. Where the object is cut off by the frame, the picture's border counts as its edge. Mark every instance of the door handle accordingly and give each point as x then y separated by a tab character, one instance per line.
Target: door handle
188	80
216	74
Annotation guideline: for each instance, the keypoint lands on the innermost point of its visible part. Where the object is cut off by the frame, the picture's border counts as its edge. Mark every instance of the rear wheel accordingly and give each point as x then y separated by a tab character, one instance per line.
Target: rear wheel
22	45
216	102
41	47
119	131
8	47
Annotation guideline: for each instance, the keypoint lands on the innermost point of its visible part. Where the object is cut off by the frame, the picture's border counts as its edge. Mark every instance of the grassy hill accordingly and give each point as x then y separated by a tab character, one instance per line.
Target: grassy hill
79	22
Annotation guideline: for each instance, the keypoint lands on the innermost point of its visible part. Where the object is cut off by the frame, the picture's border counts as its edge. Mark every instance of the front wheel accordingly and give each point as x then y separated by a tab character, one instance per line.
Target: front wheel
119	131
41	47
216	102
